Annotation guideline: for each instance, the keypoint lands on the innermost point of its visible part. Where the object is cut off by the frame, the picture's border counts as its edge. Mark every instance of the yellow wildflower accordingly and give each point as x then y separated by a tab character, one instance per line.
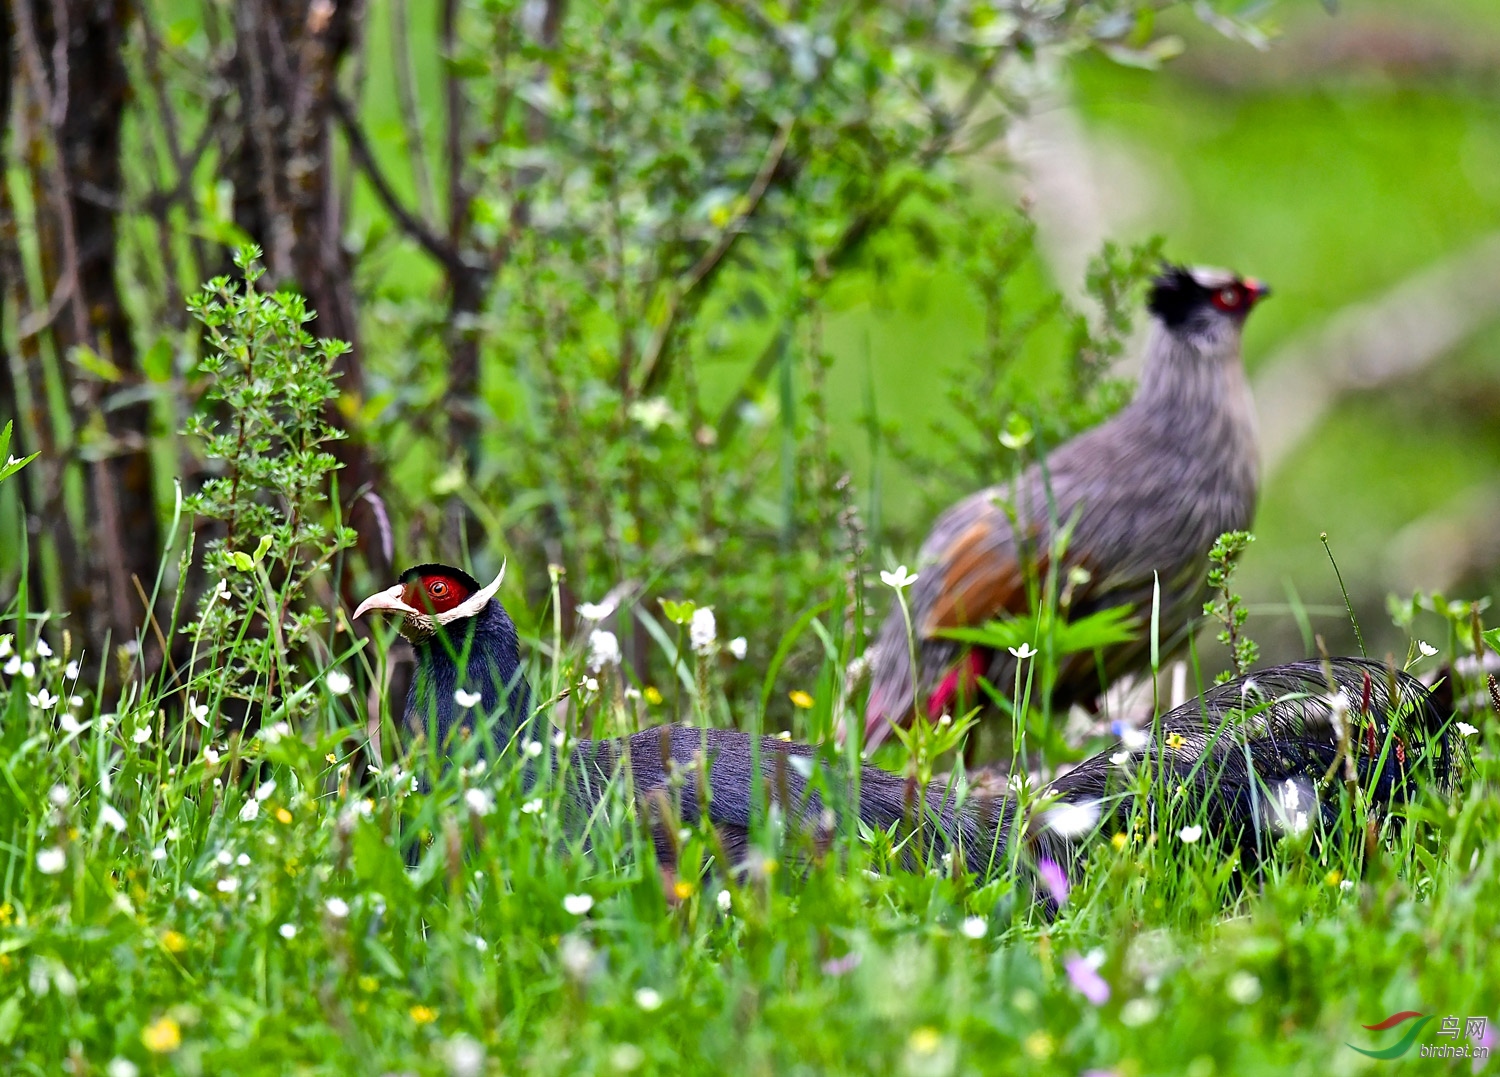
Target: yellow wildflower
801	699
423	1015
162	1036
174	941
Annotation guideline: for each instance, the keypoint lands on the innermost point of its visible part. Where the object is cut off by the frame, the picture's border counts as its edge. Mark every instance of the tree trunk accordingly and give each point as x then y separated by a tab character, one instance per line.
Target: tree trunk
279	155
75	49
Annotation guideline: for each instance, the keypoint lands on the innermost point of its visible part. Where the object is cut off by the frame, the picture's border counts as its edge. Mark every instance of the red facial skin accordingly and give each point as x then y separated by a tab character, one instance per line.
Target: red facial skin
1238	297
434	594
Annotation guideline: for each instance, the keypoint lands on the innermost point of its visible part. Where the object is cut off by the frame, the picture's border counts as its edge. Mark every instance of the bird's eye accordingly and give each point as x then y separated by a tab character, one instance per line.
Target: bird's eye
438	588
1228	298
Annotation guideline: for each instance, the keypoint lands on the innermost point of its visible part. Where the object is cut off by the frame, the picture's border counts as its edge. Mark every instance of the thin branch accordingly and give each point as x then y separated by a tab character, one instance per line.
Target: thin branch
440	249
411	115
458	195
713	257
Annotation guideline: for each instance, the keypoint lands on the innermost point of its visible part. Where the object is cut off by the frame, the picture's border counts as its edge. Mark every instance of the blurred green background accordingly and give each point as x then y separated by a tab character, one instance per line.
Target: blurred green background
1350	164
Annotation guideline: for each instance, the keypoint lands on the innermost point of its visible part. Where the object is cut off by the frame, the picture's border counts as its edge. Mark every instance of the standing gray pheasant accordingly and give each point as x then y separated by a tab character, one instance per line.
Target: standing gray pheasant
1151	489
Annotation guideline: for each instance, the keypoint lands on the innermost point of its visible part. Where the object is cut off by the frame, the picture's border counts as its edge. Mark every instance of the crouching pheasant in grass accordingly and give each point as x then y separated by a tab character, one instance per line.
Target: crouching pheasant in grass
1251	758
1146	494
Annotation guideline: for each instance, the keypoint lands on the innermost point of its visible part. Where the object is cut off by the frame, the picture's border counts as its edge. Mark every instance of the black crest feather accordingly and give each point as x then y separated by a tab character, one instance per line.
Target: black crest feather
1175	294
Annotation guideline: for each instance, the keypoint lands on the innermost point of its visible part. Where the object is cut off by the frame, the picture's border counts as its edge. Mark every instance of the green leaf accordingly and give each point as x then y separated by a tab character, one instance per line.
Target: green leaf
1492	637
94	363
10	1019
261	548
1106	628
157	362
679	613
242	560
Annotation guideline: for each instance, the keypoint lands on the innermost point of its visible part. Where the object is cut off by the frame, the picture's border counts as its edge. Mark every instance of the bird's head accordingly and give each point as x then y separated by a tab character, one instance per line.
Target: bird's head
430	597
1205	308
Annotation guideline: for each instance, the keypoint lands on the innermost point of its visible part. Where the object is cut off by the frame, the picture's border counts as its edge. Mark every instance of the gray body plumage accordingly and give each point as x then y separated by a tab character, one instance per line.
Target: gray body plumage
1151	489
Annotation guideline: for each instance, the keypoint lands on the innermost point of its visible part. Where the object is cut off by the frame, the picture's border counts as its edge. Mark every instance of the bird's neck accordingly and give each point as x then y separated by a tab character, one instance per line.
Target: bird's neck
479	656
1198	397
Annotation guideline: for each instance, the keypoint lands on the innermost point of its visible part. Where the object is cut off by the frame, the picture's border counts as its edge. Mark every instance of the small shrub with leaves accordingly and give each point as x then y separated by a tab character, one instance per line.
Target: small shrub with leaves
264	426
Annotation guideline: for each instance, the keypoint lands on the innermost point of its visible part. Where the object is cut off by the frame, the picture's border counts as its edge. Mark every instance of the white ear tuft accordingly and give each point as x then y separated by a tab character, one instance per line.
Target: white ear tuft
474	603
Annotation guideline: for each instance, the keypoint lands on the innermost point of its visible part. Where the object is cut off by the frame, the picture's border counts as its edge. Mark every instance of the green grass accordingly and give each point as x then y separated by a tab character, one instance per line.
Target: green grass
148	915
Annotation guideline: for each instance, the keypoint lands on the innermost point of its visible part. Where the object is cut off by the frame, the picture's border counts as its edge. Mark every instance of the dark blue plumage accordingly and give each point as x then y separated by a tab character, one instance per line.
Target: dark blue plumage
1250	759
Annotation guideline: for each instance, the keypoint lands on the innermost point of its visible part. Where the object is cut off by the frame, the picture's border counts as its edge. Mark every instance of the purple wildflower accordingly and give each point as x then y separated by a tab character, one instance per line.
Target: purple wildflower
842	966
1086	980
1055	879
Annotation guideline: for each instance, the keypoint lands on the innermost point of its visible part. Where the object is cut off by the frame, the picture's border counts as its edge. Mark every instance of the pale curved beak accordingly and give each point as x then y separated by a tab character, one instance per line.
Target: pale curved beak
388	600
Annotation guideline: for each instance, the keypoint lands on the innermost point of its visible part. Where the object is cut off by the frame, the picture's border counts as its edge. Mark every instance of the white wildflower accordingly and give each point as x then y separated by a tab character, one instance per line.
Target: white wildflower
725	900
1338	710
654	413
1138	1012
975	927
465	1056
1069	820
42	649
59	796
250	811
6	643
75	701
265	789
159	853
70	671
142	734
221	592
739	647
648	999
13	666
898	579
464	698
112	818
1023	652
578	904
243	860
479	801
532	807
702	631
227	885
1467	730
604	649
1426	649
198	711
596	611
121	1067
210	756
532	748
224	857
1119	759
337	907
69	724
287	931
591	684
51	861
1190	834
1243	988
43	699
338	682
276	732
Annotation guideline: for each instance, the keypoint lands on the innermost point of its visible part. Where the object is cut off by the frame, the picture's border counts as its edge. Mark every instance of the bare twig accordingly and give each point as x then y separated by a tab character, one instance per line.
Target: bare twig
652	370
437	246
